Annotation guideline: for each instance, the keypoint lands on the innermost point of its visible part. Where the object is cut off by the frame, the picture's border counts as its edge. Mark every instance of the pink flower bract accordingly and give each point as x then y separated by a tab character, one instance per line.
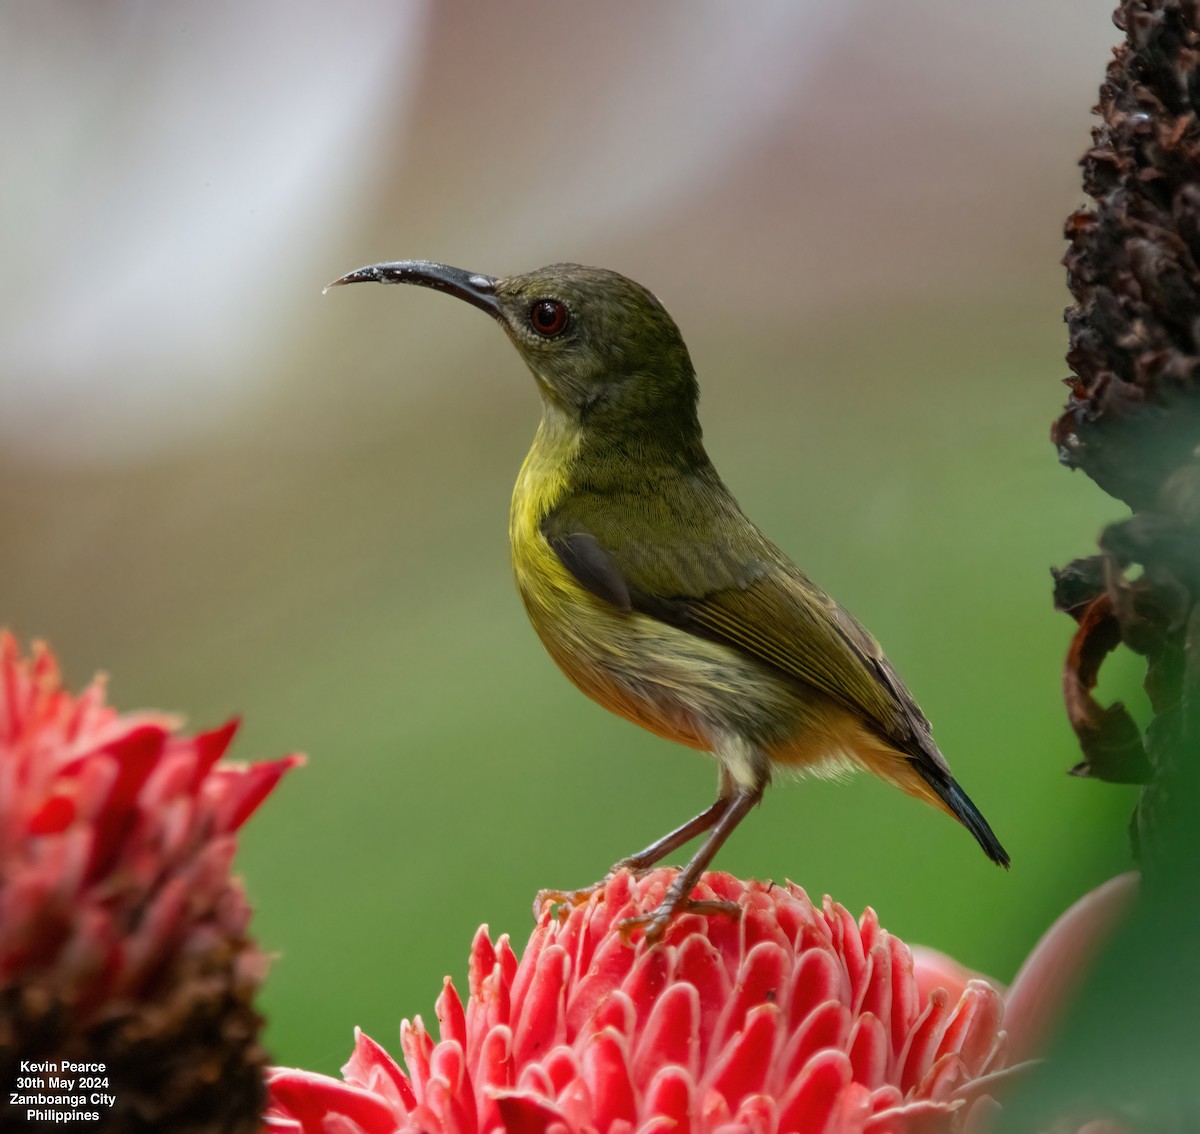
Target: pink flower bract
793	1017
123	936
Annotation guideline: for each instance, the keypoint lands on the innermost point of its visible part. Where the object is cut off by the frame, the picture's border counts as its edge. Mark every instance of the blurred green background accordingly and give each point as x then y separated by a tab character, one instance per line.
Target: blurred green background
238	496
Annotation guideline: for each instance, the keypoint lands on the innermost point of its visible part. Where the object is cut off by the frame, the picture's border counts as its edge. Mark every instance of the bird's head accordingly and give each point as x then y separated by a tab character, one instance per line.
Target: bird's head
602	348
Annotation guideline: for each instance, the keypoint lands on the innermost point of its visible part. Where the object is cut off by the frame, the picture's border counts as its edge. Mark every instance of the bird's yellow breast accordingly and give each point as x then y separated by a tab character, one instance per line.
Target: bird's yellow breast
685	688
604	651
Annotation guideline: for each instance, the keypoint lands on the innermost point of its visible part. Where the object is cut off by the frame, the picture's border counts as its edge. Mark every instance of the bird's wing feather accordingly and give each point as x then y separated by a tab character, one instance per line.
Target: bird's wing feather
593	567
742	592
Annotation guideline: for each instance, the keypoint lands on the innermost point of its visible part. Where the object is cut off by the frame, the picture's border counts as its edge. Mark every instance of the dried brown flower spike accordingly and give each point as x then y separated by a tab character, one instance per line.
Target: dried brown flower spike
1133	417
1132	422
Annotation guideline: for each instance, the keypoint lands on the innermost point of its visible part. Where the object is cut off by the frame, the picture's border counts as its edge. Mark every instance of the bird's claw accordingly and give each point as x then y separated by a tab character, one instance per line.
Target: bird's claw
572	899
562	901
656	921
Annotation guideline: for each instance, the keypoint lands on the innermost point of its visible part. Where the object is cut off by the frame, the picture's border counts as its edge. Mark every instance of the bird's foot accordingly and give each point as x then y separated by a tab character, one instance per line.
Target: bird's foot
656	921
563	901
675	903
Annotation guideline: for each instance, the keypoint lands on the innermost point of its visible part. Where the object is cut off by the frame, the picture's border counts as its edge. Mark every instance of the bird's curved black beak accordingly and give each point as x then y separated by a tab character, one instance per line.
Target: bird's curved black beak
477	290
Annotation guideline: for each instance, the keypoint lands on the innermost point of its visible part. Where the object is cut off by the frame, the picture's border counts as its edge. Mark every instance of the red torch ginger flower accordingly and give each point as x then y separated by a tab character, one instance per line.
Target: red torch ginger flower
792	1017
123	937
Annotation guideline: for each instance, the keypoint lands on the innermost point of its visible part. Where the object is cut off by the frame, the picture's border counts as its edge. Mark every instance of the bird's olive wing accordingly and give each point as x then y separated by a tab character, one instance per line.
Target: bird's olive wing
593	568
749	597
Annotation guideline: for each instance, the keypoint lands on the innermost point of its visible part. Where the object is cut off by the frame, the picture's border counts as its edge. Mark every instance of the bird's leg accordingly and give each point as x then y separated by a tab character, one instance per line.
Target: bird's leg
660	848
677	900
648	856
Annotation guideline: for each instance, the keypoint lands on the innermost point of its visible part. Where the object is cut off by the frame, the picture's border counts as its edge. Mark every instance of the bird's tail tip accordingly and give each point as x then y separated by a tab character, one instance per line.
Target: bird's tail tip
970	817
959	804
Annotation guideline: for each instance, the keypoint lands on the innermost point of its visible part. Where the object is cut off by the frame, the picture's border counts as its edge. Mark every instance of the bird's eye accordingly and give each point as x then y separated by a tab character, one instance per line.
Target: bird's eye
548	317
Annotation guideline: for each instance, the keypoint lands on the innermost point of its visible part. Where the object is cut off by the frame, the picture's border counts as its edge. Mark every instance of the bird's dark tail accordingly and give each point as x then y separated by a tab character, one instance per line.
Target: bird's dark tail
961	807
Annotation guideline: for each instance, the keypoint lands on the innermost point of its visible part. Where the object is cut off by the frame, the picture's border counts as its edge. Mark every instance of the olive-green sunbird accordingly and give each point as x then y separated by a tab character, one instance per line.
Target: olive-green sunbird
649	586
